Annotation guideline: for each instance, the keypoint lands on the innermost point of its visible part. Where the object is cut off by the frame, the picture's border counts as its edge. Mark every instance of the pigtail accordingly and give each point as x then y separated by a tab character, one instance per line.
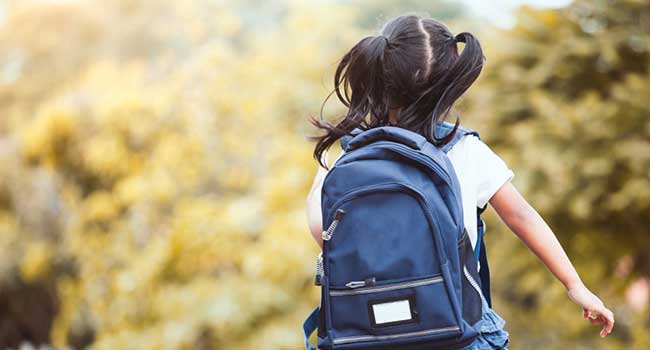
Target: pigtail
451	75
359	85
462	74
413	66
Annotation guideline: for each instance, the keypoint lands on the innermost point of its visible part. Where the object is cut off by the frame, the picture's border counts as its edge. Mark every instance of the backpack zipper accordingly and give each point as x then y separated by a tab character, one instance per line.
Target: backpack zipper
355	284
320	272
365	283
382	187
385	288
404	151
365	338
473	283
417	156
414	155
327	234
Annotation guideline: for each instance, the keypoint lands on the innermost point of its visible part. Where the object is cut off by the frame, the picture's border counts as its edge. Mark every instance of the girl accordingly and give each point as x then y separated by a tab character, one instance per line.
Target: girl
409	76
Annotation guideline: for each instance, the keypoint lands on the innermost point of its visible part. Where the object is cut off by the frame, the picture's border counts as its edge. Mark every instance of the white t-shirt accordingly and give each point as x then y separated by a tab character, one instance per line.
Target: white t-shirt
480	172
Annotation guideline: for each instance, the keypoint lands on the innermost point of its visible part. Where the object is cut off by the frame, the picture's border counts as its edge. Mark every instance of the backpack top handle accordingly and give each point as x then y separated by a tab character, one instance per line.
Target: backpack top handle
390	133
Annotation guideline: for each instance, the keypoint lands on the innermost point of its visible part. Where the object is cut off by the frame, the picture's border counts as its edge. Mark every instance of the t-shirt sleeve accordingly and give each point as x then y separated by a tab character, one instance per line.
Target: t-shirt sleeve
493	172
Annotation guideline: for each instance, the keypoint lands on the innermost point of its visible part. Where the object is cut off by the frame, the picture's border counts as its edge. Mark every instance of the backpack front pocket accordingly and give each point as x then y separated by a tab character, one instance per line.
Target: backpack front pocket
391	311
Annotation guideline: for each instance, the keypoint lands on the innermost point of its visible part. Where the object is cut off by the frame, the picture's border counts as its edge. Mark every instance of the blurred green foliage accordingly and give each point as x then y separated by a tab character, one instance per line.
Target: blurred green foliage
154	166
564	99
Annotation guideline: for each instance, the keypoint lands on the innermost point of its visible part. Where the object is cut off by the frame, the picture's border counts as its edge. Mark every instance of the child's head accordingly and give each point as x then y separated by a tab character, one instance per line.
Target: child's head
412	67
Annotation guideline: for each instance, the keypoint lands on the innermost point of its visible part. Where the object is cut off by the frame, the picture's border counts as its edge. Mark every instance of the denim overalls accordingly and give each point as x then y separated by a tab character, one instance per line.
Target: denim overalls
491	332
490	327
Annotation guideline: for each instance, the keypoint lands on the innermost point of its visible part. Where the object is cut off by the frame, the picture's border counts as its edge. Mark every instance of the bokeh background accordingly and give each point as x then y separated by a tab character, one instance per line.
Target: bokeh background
154	164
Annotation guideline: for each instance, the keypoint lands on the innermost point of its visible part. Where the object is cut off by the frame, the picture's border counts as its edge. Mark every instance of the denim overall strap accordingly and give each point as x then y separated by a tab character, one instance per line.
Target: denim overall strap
309	326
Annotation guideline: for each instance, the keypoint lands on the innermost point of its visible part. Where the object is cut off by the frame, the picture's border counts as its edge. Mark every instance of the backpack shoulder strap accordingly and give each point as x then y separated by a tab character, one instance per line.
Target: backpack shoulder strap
480	251
484	271
345	140
445	128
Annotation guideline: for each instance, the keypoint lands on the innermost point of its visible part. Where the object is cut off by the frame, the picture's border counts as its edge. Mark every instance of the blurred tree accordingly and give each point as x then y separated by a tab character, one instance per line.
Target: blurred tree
154	169
153	164
564	99
377	12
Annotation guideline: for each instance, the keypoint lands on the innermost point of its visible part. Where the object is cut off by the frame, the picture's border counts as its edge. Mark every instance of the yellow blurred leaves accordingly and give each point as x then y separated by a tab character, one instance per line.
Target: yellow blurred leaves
105	156
36	261
49	135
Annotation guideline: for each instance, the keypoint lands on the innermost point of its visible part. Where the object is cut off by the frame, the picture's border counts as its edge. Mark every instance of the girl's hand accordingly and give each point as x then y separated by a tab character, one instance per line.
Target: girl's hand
593	308
529	226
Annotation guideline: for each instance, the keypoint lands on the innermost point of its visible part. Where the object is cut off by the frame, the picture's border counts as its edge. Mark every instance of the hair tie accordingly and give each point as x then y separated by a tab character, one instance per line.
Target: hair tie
461	37
450	39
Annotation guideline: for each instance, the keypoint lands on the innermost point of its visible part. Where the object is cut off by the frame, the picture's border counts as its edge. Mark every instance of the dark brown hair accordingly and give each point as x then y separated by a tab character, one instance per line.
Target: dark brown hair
412	64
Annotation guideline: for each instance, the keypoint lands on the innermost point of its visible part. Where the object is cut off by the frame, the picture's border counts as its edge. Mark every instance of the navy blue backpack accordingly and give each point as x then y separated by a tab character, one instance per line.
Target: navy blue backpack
397	269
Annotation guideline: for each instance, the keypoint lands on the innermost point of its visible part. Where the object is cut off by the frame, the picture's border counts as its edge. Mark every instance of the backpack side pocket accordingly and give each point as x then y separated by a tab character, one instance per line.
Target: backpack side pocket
472	304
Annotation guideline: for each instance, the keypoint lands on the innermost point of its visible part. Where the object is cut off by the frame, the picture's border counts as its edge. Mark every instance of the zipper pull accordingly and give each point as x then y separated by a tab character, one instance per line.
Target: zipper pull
356	284
319	270
368	282
327	234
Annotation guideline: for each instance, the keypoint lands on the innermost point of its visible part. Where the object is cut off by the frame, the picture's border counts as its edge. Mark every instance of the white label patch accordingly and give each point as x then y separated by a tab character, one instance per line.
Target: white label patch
393	311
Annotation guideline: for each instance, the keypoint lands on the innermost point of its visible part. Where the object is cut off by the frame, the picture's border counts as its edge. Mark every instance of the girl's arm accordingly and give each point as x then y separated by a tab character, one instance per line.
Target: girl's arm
313	204
314	219
529	226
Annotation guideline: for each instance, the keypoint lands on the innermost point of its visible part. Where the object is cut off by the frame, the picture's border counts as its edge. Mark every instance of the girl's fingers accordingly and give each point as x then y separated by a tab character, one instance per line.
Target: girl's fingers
601	316
585	314
608	318
597	321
